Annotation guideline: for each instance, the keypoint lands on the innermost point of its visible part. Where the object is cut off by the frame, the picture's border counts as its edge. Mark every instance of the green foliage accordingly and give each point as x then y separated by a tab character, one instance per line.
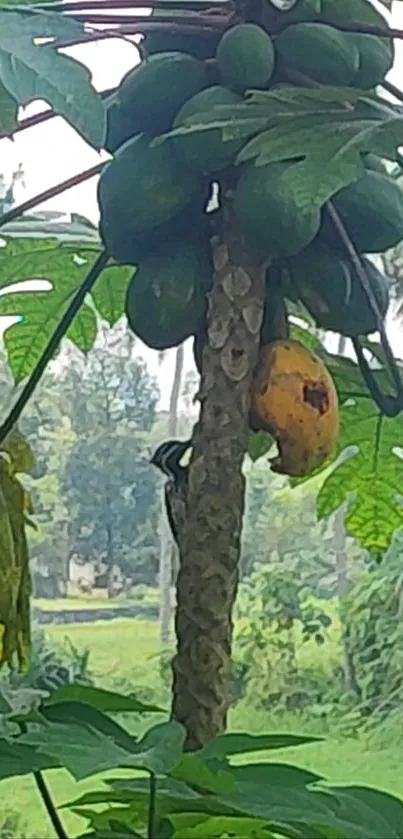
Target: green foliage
30	71
369	478
275	613
203	794
374	609
111	402
64	266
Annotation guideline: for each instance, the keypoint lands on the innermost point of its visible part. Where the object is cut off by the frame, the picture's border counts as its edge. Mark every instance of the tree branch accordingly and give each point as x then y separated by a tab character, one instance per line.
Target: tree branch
53	344
47	194
50	806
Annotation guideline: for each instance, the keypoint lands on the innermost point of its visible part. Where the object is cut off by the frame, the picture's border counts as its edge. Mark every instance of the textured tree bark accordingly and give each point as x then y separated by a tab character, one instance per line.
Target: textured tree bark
210	543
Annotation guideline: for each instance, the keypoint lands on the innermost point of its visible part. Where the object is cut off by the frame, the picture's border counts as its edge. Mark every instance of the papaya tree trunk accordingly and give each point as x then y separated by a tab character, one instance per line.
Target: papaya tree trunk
168	549
210	543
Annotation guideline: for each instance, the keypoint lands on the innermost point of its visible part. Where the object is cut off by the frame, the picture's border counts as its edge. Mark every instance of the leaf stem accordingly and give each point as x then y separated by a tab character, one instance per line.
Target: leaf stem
152	807
391	88
84	5
214	22
47	194
390	405
50	806
123	31
53	344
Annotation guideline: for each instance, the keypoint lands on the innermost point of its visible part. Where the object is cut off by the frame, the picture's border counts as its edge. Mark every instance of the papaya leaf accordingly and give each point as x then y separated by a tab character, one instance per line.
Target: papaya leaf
370	480
19	759
331	148
84	750
109	294
41	310
49	225
8	111
30	70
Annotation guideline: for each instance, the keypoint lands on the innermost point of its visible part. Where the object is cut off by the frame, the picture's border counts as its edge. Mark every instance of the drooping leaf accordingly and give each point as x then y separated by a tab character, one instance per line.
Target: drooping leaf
15	579
103	700
32	70
109	293
22	458
41	310
8	111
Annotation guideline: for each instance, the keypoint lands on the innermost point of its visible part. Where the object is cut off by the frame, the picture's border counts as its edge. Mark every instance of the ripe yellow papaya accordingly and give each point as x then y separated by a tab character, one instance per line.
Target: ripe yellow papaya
294	399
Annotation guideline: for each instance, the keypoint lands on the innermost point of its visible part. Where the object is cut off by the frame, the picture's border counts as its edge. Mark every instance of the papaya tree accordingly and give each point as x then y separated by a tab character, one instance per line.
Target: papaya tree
247	183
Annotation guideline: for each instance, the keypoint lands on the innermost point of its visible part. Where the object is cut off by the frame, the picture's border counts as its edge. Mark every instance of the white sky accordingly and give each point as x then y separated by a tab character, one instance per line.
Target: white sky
52	152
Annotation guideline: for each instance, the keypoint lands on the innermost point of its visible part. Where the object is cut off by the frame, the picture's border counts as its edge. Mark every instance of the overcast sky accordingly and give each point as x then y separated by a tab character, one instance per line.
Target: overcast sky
51	152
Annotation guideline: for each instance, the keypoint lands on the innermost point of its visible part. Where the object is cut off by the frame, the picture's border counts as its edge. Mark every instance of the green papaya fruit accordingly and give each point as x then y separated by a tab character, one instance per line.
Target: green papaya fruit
142	188
118	128
151	94
376	57
318	51
372	211
330	290
266	211
246	57
166	297
207	151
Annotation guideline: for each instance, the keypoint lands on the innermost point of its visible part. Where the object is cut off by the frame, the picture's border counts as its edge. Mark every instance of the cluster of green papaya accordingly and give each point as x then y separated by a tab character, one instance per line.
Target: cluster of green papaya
155	197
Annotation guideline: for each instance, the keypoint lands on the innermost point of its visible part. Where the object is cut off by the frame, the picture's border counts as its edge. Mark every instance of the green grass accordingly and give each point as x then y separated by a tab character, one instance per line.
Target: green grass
123	656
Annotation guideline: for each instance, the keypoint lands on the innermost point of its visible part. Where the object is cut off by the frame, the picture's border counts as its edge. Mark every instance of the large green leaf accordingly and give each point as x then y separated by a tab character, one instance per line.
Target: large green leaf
103	700
85	750
31	70
41	310
326	150
371	479
312	129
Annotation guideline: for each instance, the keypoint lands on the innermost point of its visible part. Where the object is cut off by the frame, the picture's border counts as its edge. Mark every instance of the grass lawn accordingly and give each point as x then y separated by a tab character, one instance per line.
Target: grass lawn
123	656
